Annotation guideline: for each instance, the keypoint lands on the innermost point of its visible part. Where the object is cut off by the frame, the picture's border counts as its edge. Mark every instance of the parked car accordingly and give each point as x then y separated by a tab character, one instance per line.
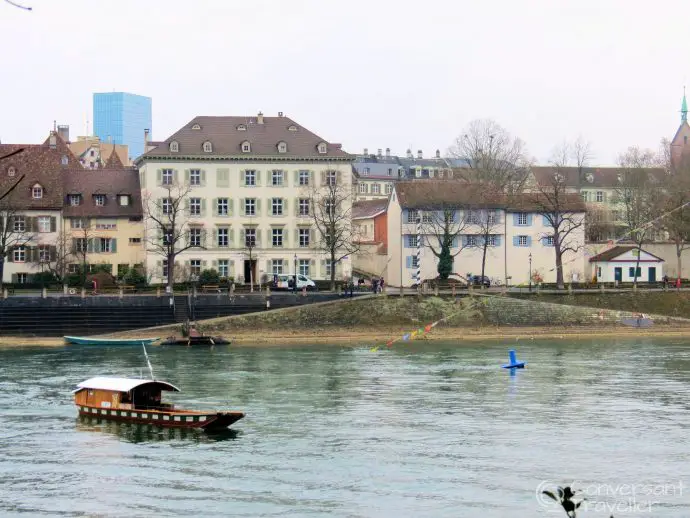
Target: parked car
285	281
480	280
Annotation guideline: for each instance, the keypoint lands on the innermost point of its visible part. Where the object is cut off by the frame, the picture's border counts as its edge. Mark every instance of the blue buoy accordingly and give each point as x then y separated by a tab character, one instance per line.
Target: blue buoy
514	363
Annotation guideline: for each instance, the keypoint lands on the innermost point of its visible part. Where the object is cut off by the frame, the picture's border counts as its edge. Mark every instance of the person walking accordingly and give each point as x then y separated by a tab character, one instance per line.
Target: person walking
381	284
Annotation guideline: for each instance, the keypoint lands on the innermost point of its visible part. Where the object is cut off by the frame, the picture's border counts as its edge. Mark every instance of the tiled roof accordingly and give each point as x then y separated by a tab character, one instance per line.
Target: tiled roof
592	177
612	253
368	208
80	147
40	164
436	194
113	161
111	182
226	138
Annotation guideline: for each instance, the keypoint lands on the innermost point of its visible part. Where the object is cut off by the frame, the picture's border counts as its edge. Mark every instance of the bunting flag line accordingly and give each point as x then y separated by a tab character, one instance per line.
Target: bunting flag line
411	335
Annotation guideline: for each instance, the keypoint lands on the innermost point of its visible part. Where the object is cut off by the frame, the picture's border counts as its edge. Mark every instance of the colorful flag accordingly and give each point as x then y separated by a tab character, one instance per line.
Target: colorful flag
406	337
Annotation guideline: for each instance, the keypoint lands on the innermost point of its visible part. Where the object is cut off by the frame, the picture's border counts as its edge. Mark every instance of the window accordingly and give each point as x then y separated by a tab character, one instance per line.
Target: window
195	267
413	261
105	245
250	237
277	237
304	206
167	206
331	177
282	147
276	266
491	218
492	240
365	171
246	147
223	268
164	272
222	237
600	196
329	207
44	223
329	268
11	171
168	237
196	127
100	200
124	200
376	188
195	206
522	220
106	226
167	177
80	244
363	188
389	188
208	148
222	206
548	241
411	241
522	240
250	178
277	206
631	271
304	237
74	200
292	128
19	254
412	216
323	148
250	206
194	237
390	171
304	267
174	147
241	127
22	278
304	177
428	217
277	178
37	192
195	177
76	223
134	240
585	196
64	160
19	223
44	254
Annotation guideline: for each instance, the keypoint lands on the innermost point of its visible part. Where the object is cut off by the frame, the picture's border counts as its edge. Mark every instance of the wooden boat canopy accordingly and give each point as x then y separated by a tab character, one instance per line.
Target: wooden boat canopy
123	384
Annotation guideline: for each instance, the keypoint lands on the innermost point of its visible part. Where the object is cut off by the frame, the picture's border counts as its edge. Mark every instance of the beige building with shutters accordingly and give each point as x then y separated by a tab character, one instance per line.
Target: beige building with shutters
247	183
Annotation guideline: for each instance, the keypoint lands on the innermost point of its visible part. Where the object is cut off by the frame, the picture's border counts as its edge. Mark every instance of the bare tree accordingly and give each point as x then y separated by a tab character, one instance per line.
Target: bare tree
639	196
675	207
581	153
492	157
82	245
16	231
441	229
249	247
168	233
598	224
331	213
487	224
56	258
563	213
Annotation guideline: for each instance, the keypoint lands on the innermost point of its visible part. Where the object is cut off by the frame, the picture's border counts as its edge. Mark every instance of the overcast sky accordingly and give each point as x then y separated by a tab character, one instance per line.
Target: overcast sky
375	73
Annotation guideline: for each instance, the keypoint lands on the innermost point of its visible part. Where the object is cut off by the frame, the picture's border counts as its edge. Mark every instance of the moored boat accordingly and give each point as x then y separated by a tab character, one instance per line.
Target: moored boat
85	340
139	401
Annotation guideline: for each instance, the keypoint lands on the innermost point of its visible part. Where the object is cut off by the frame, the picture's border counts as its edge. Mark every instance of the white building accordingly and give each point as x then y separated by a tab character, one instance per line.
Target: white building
619	264
249	182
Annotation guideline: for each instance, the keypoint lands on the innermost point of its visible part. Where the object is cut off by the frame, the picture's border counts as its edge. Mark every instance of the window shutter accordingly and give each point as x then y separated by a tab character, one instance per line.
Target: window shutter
408	261
312	237
242	207
186	206
258	206
203	238
241	244
455	242
529	240
159	176
52	253
323	177
231	268
243	178
311	177
545	221
515	219
215	238
268	268
186	176
10	254
215	206
14	278
231	237
498	240
53	224
214	264
296	243
285	207
142	179
464	240
516	240
529	220
203	177
258	238
90	246
296	178
338	180
258	178
113	245
230	207
203	206
175	176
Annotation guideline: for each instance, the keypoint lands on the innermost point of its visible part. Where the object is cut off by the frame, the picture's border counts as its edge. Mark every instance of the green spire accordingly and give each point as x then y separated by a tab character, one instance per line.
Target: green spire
684	109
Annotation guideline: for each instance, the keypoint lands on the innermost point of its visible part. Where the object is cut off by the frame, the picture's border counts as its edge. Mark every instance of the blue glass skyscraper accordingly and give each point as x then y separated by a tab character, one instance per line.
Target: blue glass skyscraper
121	118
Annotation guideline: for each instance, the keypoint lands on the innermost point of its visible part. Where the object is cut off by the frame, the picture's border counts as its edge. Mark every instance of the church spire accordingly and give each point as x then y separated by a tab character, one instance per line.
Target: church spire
684	109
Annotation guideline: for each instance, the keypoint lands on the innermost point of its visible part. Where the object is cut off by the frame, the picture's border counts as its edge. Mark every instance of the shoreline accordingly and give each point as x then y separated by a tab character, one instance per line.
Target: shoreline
343	336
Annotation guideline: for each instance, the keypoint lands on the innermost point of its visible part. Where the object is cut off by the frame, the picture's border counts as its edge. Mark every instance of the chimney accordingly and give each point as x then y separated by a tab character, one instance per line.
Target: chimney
63	131
379	153
280	114
438	153
366	151
409	153
419	154
146	140
53	140
260	118
388	151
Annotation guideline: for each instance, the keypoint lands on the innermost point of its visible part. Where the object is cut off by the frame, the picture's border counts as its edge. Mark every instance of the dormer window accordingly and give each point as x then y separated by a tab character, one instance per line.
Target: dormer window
64	160
208	147
323	148
241	127
292	128
99	199
589	177
174	146
124	200
246	147
37	192
11	171
282	147
196	127
74	200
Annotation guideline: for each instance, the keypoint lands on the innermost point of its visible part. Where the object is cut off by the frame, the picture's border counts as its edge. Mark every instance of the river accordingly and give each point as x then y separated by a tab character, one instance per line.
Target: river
420	430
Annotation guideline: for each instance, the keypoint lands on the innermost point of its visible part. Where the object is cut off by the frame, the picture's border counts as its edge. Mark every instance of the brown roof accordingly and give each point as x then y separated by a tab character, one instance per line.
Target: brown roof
111	182
227	139
105	149
113	161
368	208
612	253
604	177
40	164
435	194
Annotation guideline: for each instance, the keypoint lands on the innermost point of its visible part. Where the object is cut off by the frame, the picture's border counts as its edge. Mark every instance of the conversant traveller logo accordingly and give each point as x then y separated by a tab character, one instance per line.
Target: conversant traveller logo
615	499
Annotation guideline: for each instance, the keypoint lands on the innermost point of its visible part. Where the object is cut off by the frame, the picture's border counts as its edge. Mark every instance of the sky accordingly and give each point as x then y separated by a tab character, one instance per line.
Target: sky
367	74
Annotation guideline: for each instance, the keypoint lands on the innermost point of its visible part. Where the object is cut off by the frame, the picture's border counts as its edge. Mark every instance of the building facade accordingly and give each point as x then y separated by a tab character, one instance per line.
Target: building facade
627	264
122	118
246	184
93	154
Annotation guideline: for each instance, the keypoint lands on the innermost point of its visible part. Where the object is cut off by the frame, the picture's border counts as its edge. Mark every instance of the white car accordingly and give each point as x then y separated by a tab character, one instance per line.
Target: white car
283	282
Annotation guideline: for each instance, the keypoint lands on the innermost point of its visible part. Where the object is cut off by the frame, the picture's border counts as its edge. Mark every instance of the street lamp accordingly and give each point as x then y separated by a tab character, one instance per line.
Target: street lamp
294	286
530	271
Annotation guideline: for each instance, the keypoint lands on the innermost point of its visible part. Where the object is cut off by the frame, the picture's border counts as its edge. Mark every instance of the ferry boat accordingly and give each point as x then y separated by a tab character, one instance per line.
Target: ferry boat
139	401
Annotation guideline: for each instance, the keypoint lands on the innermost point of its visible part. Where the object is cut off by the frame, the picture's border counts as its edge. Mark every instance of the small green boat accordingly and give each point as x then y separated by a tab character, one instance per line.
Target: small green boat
83	340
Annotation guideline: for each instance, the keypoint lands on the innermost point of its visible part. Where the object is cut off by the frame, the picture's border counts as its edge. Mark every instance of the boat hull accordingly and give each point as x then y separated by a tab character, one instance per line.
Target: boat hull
80	340
199	420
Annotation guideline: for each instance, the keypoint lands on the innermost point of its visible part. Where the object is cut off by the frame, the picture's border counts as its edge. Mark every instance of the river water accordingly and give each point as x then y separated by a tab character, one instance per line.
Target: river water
423	430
